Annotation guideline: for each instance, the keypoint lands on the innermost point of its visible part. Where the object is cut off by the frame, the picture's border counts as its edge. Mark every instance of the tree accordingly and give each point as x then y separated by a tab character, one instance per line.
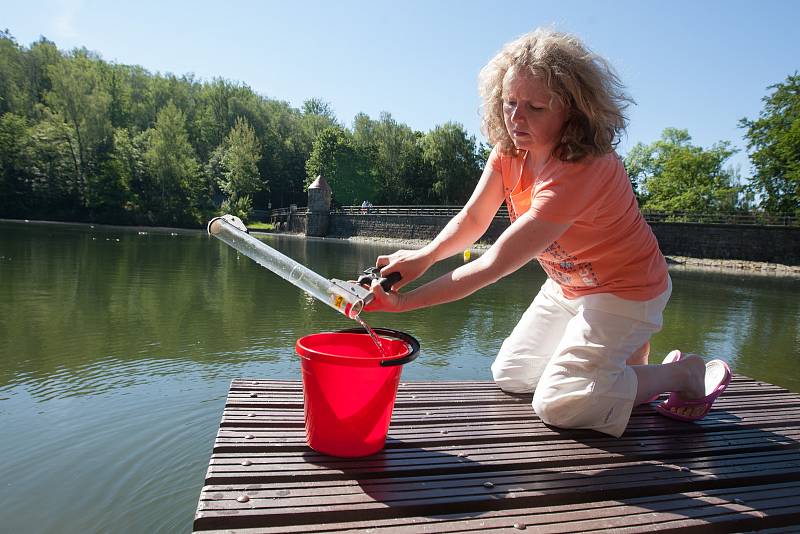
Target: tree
239	161
417	174
171	162
671	174
773	141
395	155
137	95
51	169
112	191
219	105
41	56
286	149
343	165
79	97
317	115
238	174
452	155
315	106
14	188
84	139
12	76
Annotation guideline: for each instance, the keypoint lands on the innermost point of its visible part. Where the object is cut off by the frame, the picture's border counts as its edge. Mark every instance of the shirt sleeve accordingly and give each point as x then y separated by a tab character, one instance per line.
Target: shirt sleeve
571	191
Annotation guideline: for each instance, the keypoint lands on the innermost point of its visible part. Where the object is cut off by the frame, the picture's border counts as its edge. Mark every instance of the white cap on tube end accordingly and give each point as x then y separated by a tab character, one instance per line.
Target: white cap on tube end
214	224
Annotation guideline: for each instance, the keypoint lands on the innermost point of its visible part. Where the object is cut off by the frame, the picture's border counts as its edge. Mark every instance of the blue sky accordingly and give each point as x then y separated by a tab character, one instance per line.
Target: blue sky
699	65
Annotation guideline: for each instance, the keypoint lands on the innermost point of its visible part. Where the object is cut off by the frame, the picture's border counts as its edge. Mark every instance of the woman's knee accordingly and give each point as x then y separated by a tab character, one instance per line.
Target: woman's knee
607	415
563	410
512	378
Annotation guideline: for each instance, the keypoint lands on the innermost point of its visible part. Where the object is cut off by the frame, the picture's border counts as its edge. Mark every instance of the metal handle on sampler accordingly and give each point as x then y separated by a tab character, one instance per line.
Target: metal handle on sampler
374	273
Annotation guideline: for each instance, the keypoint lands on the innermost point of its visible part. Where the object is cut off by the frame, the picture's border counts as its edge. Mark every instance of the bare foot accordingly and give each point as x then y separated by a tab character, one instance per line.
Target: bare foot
694	377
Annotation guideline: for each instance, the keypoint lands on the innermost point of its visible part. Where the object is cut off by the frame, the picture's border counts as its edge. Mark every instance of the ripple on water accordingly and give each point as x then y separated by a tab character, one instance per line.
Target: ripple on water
150	442
96	378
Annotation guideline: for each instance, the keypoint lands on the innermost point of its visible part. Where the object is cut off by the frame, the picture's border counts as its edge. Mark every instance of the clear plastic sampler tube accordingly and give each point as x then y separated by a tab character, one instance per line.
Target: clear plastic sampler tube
341	296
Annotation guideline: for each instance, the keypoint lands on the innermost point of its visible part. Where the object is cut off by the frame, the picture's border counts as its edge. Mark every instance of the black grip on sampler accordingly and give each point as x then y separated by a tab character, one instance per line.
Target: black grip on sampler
387	282
374	273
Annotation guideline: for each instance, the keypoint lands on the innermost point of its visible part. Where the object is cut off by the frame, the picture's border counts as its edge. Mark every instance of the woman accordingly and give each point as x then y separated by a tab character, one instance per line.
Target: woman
554	112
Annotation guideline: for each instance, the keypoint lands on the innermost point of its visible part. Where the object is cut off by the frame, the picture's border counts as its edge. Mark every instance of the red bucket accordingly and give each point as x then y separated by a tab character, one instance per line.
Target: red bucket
349	388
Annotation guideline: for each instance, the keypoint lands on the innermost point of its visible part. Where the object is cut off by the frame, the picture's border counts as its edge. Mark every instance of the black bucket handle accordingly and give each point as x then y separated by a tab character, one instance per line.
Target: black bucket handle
396	334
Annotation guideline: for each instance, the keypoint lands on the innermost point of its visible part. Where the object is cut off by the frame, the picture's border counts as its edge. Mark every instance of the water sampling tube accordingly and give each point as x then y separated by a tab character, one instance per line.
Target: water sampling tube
344	297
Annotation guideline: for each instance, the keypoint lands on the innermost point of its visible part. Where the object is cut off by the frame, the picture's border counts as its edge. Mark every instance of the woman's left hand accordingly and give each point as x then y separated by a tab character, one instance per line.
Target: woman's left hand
385	301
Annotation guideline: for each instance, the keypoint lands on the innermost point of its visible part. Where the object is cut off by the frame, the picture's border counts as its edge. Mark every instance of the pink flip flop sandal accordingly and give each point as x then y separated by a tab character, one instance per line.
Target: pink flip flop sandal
718	376
672	357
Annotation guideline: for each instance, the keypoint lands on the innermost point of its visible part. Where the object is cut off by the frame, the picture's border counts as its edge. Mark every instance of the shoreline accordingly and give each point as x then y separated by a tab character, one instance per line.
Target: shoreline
761	268
726	266
758	268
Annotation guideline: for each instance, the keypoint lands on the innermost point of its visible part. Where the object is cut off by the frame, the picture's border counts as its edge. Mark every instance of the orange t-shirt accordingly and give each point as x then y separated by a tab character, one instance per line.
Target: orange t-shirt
608	247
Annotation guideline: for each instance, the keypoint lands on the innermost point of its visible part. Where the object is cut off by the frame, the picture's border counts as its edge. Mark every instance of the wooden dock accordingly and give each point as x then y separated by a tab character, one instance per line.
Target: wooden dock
464	456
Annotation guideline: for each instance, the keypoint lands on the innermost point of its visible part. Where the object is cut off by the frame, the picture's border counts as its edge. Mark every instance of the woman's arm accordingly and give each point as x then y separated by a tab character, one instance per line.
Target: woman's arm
525	239
460	232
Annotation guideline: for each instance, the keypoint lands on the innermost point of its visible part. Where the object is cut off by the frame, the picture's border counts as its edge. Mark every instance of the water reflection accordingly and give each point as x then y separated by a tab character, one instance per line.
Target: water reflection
752	322
90	309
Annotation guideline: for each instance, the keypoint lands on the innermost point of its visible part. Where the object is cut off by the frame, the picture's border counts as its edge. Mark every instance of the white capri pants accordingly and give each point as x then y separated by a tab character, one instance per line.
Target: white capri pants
573	353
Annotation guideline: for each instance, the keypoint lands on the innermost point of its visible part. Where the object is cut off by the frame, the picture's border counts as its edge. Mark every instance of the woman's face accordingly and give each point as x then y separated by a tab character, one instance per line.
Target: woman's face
534	117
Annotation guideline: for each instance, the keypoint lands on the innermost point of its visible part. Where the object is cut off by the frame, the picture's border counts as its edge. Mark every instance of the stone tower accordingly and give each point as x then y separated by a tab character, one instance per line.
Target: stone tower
319	207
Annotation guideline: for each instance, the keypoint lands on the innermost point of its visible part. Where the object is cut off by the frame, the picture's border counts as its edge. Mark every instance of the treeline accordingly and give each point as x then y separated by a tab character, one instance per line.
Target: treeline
83	139
672	174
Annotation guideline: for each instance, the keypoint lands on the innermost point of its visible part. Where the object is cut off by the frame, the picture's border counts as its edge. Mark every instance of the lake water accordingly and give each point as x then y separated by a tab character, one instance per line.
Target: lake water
117	348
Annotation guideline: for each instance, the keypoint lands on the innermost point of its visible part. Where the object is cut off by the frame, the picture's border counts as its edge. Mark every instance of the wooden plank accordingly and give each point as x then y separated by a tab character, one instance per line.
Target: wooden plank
464	456
521	430
228	468
735	407
743	509
268	504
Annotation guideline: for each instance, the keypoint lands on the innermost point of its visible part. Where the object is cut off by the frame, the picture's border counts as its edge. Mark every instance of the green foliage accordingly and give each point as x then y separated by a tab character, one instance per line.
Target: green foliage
12	94
78	97
453	155
671	174
317	117
86	139
345	166
396	156
239	206
110	192
239	156
53	167
774	144
14	186
267	227
319	108
170	160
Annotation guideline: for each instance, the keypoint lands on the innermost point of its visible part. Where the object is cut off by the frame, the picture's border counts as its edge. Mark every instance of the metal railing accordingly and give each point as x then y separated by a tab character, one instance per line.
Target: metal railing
422	210
283	212
750	219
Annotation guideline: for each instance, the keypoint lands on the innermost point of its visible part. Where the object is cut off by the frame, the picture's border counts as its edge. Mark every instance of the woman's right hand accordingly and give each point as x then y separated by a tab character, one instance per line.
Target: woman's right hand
411	264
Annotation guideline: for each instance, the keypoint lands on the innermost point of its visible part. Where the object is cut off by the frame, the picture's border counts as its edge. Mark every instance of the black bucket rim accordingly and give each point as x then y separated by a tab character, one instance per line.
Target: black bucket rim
396	334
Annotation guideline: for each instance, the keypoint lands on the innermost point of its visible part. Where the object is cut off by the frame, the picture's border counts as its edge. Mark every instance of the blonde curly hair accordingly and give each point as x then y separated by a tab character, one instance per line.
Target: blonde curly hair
585	83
